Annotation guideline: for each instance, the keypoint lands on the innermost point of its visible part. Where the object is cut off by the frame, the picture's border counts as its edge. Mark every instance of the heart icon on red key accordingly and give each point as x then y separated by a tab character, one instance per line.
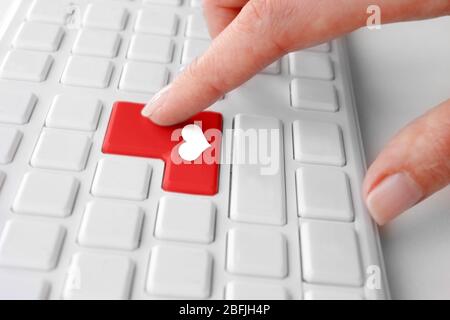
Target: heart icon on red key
194	142
130	134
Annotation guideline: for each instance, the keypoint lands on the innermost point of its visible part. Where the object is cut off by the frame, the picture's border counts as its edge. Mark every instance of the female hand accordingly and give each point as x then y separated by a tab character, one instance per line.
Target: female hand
248	35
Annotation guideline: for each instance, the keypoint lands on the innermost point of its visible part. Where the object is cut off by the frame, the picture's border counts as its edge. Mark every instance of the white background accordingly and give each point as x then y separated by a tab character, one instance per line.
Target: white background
399	72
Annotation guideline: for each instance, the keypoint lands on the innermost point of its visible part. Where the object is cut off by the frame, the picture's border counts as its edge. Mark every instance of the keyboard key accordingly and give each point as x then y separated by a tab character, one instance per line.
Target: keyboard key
105	16
38	36
256	253
323	193
150	48
46	194
111	225
201	177
50	11
164	2
30	244
98	277
237	290
74	112
156	22
257	185
87	72
61	150
192	49
330	253
332	293
22	288
273	68
196	27
97	43
185	219
143	77
311	65
314	95
9	142
16	107
318	142
122	178
179	272
26	66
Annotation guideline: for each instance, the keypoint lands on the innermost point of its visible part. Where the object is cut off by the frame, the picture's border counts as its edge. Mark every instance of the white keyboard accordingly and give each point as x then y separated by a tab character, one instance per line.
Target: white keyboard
77	223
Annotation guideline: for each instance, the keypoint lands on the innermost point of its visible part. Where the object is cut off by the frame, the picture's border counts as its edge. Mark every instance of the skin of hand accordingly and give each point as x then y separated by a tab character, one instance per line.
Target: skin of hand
248	35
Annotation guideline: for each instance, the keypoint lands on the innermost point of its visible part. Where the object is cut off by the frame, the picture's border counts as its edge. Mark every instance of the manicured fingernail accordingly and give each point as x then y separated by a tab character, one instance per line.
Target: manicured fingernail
156	102
392	196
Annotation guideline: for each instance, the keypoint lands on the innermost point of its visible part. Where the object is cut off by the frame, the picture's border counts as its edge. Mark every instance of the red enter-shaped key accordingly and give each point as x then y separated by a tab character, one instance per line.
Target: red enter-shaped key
129	133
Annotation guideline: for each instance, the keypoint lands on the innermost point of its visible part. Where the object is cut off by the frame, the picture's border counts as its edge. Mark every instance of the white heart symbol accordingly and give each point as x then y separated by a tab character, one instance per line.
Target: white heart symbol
195	142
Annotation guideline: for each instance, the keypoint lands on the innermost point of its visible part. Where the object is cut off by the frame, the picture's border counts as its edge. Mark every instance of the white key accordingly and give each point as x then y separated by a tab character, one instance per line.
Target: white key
318	142
257	186
311	65
63	150
150	48
9	142
50	11
273	68
22	288
87	72
332	293
330	253
26	66
314	95
323	193
30	244
105	16
16	107
156	22
324	47
74	112
256	253
237	290
185	219
122	178
143	77
38	36
46	194
192	49
97	43
196	27
164	2
196	3
111	225
179	272
98	277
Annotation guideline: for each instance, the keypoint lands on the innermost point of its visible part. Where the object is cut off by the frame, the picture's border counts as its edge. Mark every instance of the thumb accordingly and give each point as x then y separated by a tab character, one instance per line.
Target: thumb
414	165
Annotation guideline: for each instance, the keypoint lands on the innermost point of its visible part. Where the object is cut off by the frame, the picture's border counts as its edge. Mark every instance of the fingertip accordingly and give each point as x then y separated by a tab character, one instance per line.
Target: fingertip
164	121
378	217
146	111
392	196
156	102
173	111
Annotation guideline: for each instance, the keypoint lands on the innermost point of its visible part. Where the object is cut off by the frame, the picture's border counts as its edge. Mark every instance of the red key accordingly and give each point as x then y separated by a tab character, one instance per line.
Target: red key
129	133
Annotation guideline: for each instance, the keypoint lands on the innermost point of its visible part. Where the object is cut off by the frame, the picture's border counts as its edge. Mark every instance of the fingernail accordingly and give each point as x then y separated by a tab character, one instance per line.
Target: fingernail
156	102
392	196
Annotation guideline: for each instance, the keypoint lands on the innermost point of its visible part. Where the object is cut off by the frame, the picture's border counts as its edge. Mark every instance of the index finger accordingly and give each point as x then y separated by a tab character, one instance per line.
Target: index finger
246	46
